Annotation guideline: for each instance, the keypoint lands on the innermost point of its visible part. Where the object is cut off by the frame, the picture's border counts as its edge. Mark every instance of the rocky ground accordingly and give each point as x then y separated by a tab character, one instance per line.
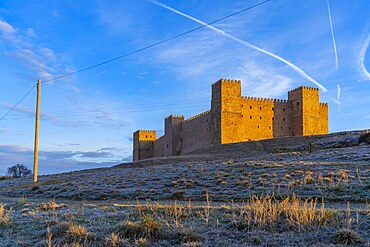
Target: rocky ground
230	181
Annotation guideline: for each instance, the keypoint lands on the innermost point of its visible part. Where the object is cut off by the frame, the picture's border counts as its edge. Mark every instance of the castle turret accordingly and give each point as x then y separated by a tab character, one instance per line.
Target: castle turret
225	113
143	144
308	116
172	135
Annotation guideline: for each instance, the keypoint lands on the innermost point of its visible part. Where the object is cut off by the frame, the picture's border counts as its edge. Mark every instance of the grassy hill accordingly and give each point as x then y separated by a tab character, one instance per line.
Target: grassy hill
337	169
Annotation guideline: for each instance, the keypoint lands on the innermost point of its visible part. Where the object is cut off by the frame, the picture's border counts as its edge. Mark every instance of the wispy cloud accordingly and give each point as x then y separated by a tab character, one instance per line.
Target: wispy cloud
38	59
244	43
116	19
6	28
26	110
47	53
333	37
89	115
197	59
263	81
33	61
4	130
201	54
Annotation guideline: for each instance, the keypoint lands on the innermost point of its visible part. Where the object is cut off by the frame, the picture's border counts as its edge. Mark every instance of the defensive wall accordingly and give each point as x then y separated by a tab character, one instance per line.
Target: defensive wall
236	118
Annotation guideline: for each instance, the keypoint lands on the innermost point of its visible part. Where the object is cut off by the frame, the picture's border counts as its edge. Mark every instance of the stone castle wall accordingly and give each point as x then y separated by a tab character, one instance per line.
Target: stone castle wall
282	119
196	132
235	118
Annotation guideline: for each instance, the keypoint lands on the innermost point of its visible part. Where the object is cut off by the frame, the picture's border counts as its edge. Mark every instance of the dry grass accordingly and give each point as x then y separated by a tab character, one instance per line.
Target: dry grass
258	221
51	205
113	240
267	212
4	216
147	228
77	232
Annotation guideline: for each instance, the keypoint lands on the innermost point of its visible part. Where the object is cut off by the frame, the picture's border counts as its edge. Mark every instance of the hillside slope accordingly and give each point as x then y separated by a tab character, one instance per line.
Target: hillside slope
337	169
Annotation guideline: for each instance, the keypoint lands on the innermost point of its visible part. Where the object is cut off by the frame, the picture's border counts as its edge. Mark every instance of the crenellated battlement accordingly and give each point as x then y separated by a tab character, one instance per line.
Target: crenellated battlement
310	88
227	81
197	116
248	98
280	101
303	88
151	131
257	99
323	104
175	116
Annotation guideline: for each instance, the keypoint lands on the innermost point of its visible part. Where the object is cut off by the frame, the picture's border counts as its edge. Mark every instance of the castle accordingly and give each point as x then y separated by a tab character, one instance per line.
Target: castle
235	118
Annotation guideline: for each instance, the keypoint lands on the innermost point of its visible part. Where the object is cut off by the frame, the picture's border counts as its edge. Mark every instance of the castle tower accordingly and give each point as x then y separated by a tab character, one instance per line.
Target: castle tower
143	144
309	117
172	135
226	115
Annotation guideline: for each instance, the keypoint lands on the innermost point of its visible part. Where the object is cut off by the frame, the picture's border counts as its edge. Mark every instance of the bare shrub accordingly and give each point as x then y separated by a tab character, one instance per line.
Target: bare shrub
22	200
51	205
190	236
77	231
346	236
60	229
49	236
178	195
113	240
206	210
147	228
308	179
142	242
329	217
364	137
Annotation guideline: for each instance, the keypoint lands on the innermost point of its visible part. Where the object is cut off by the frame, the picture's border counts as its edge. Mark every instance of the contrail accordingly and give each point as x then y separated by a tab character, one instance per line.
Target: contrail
333	37
362	54
244	43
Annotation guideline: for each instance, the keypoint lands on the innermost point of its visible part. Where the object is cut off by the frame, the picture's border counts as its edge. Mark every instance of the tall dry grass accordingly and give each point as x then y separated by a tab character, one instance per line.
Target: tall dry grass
4	216
259	212
266	212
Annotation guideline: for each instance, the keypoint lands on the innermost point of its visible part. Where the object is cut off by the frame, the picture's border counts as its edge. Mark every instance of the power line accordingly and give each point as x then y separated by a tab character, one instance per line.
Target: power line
136	51
11	109
155	44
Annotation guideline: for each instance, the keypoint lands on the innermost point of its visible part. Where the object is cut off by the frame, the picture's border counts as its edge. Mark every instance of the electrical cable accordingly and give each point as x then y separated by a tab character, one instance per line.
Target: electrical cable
136	51
11	109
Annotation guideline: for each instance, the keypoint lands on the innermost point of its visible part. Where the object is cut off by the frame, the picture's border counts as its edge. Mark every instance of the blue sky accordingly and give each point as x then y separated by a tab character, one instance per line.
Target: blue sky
88	118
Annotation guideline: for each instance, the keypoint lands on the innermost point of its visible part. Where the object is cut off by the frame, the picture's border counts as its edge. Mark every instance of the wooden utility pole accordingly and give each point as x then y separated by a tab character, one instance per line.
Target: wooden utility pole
36	147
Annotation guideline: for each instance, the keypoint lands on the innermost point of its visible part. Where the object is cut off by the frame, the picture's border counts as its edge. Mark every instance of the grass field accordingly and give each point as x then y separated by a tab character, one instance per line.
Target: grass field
265	197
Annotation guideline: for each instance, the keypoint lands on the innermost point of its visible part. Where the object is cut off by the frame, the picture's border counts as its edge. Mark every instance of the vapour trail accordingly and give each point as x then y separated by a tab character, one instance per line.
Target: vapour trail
244	43
362	55
332	36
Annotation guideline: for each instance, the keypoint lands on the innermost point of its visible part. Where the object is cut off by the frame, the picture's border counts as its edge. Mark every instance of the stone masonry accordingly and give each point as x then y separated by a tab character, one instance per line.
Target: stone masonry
235	118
